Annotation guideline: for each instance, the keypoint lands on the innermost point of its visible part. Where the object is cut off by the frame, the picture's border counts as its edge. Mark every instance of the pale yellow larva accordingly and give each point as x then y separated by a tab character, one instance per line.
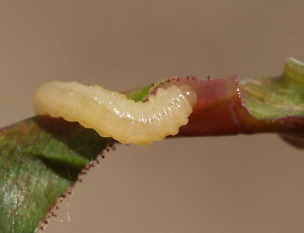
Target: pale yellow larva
111	114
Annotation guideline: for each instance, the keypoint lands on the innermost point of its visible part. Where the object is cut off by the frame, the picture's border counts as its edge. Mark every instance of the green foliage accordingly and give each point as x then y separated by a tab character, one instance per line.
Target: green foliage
278	97
40	158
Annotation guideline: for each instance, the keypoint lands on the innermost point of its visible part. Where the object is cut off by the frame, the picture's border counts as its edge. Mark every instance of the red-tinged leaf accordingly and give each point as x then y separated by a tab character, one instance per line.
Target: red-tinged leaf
40	158
215	110
227	106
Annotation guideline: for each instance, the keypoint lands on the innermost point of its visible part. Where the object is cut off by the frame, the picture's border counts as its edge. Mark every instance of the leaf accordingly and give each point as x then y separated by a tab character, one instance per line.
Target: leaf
41	157
277	97
227	106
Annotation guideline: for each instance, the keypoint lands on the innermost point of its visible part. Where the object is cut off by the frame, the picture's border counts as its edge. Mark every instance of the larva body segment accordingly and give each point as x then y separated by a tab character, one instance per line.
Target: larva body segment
111	114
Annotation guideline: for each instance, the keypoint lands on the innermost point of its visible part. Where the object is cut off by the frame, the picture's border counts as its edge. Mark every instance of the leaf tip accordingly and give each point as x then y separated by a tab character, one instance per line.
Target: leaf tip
294	69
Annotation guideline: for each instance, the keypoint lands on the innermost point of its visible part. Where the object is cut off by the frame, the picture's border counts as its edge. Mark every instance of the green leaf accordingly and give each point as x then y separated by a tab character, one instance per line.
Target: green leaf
40	158
278	97
139	94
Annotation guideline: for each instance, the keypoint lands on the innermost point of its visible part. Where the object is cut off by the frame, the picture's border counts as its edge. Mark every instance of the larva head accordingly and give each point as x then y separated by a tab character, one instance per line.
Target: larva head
111	114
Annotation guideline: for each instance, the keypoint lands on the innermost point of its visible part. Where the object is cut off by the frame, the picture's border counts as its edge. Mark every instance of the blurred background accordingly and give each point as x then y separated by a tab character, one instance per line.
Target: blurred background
225	184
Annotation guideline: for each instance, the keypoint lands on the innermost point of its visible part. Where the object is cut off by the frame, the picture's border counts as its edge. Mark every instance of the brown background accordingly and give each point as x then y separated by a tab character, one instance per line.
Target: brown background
216	185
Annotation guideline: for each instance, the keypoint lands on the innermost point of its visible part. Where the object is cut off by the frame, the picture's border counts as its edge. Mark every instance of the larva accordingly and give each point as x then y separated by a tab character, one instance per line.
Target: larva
112	114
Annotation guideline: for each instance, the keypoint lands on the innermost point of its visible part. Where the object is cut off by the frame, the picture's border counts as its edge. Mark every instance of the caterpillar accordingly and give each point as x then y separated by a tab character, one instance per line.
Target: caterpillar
112	114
